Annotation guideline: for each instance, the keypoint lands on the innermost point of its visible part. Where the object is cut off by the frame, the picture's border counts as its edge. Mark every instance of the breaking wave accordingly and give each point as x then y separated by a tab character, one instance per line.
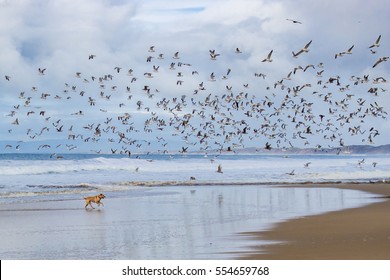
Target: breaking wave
32	177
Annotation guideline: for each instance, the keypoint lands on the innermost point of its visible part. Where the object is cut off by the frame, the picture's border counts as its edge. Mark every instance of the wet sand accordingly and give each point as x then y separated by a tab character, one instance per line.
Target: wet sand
200	223
352	234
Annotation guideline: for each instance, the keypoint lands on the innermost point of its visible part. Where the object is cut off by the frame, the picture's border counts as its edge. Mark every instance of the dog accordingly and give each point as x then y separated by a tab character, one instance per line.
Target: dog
95	199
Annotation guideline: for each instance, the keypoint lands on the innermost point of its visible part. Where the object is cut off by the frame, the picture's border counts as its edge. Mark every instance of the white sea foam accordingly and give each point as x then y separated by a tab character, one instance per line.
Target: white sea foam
107	173
163	207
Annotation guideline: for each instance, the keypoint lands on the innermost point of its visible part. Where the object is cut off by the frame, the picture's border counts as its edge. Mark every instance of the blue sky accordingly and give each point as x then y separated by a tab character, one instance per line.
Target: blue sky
60	36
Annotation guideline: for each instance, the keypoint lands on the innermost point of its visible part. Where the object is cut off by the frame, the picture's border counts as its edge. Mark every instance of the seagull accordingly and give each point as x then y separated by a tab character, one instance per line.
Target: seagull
268	58
294	21
382	59
308	66
228	71
91	56
306	165
349	51
376	44
291	173
41	71
304	49
379	80
217	122
213	54
176	55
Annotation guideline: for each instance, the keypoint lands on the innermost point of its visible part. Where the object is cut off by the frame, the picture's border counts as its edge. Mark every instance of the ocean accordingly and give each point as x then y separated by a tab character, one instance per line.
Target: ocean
33	176
167	206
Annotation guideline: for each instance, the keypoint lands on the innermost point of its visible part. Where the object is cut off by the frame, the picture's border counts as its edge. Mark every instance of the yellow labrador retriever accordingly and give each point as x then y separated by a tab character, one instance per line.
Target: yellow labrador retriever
95	199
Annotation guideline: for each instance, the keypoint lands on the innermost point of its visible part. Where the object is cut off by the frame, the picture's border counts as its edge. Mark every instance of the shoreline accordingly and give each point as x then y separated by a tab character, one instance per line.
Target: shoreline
49	229
361	233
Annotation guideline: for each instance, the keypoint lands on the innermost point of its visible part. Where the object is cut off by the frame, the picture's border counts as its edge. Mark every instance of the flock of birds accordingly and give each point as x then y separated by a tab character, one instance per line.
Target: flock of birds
126	111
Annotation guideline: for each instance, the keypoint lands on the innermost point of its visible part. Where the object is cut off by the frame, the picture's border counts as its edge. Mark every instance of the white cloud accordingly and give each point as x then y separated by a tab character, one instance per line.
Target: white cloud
60	35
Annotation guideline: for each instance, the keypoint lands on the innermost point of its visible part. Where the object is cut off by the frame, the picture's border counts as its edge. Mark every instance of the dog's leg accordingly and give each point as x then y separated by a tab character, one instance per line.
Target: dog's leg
90	204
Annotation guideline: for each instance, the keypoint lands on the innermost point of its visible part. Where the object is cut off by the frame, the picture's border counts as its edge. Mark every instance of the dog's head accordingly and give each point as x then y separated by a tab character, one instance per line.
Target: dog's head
101	196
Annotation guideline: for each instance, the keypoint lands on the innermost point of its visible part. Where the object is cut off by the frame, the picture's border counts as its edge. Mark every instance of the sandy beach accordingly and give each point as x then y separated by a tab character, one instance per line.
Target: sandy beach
201	223
353	234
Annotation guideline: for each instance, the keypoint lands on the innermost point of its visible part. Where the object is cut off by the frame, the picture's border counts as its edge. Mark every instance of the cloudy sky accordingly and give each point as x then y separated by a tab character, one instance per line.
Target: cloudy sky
59	36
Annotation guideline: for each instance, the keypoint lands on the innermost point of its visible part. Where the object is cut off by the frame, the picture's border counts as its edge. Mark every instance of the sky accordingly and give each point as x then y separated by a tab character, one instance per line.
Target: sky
59	36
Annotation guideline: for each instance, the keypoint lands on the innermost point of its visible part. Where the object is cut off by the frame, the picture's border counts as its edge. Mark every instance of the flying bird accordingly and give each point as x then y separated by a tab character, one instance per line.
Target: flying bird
304	49
292	173
41	71
294	21
349	51
206	121
268	58
213	54
376	44
176	55
382	59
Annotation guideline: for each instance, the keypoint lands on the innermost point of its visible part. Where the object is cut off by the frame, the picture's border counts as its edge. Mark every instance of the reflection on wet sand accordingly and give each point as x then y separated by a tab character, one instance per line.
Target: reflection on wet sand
160	222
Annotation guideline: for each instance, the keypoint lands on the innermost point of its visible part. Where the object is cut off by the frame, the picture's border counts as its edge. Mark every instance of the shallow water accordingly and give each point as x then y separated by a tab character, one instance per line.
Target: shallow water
170	222
25	177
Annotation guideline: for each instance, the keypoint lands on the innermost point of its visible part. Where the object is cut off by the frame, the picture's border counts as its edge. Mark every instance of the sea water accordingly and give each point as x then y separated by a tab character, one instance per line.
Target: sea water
29	176
170	222
166	207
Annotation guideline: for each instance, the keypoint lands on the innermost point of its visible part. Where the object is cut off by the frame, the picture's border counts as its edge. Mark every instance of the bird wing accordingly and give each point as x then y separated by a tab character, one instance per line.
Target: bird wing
308	44
268	58
269	55
377	62
377	40
298	53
